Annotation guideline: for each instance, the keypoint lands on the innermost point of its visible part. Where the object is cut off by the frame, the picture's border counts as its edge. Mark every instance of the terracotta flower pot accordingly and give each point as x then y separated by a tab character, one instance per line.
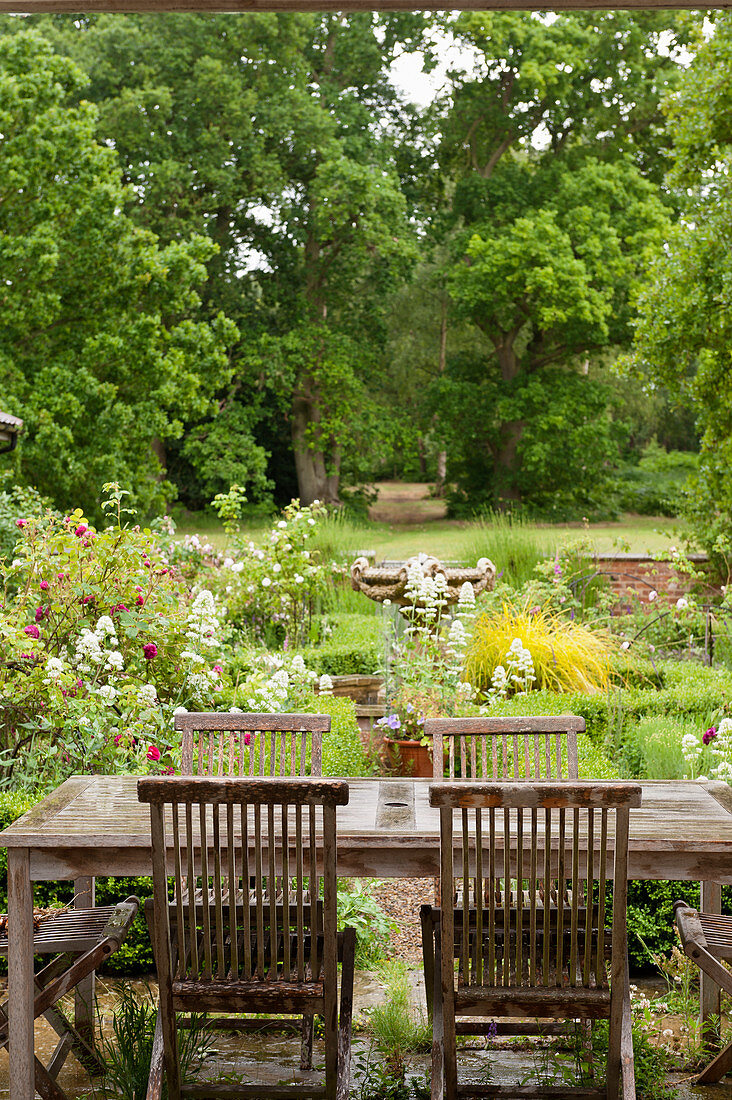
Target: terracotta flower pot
409	758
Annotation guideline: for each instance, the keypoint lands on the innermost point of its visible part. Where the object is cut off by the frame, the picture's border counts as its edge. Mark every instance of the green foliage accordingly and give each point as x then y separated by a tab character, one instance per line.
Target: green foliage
358	908
513	545
397	1027
101	644
355	646
17	502
343	751
655	486
270	589
103	351
127	1054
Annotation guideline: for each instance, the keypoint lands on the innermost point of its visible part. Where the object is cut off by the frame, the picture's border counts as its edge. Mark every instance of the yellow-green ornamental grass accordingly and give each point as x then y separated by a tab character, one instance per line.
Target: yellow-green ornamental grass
567	656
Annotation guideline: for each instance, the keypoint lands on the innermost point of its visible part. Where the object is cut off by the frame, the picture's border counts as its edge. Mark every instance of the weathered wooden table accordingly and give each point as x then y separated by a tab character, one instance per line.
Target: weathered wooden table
94	825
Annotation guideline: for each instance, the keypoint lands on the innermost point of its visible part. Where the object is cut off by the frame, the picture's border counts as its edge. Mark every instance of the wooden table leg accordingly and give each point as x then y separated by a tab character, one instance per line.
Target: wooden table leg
20	975
84	992
709	993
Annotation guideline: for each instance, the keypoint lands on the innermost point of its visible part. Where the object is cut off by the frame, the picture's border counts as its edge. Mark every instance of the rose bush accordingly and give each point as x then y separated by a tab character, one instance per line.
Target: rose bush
101	643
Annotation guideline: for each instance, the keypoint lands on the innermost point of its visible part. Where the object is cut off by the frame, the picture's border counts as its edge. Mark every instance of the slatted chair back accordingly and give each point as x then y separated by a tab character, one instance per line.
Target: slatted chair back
544	747
540	856
218	844
252	744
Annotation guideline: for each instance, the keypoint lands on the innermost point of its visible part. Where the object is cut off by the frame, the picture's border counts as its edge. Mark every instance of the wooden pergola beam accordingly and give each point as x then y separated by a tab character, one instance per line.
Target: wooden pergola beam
30	7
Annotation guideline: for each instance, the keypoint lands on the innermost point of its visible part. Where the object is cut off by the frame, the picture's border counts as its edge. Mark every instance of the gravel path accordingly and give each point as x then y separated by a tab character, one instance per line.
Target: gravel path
400	899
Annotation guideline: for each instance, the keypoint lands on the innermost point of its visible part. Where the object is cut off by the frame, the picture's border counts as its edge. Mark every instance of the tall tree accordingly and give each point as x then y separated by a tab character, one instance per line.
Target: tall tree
272	135
101	350
684	334
554	139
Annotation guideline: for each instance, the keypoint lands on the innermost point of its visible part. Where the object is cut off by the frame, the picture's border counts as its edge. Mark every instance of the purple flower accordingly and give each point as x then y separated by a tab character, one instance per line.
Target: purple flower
81	530
150	650
32	631
710	734
40	614
393	722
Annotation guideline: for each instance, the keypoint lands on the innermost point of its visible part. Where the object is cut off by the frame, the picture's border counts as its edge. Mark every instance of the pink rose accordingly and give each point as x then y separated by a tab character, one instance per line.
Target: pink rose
247	738
150	650
153	754
20	522
32	631
81	530
44	585
117	738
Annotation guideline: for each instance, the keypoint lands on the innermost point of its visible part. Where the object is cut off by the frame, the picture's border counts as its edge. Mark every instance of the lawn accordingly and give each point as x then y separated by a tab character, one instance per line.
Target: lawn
407	521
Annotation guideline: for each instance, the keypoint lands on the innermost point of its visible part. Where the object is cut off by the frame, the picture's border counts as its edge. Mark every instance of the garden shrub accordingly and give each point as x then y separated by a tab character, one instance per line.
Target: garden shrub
566	656
270	589
102	643
355	647
343	751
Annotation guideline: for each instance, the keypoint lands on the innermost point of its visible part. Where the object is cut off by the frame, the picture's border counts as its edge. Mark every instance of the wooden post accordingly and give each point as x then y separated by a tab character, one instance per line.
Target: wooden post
85	990
20	974
709	997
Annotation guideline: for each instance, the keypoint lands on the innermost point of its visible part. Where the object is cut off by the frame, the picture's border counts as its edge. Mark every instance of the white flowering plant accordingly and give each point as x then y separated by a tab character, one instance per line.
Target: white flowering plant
516	677
426	668
710	753
270	589
277	683
101	642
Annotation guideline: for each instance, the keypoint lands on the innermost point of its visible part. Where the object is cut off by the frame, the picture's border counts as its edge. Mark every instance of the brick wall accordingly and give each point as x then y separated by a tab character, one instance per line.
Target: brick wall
639	575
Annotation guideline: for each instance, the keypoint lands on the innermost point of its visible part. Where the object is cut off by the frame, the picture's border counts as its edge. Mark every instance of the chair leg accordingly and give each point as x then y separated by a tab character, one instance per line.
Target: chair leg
437	1085
428	955
157	1062
346	1014
306	1042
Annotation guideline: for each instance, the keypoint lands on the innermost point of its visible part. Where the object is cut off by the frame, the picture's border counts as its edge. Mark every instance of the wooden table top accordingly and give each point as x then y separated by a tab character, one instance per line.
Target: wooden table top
95	825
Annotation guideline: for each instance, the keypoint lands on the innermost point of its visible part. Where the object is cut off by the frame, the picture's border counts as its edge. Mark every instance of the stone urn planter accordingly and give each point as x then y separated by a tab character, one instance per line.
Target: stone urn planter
408	758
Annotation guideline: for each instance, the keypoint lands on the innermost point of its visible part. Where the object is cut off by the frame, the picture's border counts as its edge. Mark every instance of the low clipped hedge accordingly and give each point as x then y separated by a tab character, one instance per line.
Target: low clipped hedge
354	648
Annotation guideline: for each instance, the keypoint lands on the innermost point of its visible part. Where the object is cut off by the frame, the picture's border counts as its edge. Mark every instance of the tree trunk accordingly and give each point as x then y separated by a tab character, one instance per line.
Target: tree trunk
313	480
504	455
442	453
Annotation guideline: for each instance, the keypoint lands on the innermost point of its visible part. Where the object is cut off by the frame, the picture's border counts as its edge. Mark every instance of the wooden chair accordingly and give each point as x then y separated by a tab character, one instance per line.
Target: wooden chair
260	947
215	743
79	940
544	747
707	939
530	862
221	743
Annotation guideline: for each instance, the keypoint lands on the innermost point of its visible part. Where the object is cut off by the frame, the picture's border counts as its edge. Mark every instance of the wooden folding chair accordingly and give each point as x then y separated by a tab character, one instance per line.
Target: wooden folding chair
80	941
530	863
544	747
707	939
267	944
221	743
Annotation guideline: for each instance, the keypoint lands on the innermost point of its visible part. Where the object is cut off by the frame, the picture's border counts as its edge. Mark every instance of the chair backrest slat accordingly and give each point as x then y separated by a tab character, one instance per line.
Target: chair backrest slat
554	847
225	744
228	845
543	747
